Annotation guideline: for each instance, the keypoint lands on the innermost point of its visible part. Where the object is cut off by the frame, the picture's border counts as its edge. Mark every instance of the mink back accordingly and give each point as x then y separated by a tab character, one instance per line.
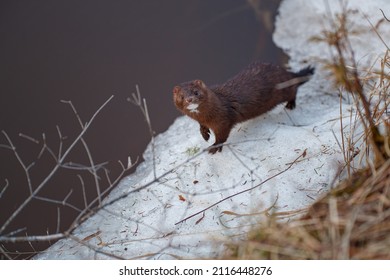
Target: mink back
252	91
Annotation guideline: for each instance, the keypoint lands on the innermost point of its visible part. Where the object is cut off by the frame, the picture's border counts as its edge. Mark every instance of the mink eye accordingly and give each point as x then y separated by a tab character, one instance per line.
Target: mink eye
196	93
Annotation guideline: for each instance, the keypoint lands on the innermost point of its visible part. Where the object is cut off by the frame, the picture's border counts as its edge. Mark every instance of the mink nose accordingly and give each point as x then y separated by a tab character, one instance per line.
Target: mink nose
189	99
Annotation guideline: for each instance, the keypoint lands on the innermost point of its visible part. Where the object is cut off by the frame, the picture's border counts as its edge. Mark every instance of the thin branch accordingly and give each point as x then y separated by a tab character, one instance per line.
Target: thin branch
5	253
376	31
58	219
74	111
45	147
97	250
5	147
4	188
342	134
34	238
83	188
29	138
59	202
61	143
93	168
77	166
108	176
31	245
67	196
384	15
141	103
24	167
15	232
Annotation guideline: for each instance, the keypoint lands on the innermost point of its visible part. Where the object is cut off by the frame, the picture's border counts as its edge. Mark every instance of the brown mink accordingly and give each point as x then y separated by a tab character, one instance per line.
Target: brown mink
252	92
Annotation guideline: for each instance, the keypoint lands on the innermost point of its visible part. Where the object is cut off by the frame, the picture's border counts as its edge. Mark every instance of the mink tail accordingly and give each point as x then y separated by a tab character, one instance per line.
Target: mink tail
304	74
298	78
308	71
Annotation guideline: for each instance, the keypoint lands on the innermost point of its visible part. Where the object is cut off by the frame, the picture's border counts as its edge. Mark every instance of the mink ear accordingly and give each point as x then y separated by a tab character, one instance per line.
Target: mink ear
200	83
176	89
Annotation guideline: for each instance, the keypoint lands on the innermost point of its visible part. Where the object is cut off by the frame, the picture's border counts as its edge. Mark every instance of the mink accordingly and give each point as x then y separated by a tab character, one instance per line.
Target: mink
252	92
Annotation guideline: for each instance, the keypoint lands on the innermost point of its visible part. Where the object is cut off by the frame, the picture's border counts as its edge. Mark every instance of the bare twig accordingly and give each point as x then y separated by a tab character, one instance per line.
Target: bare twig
58	202
59	137
376	30
5	253
29	138
34	238
384	15
15	232
22	164
83	189
45	147
97	250
58	219
4	188
141	104
93	167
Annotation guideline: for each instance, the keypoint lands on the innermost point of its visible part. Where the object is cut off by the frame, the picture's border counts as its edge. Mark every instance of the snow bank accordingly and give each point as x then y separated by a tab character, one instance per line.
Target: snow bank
299	21
146	223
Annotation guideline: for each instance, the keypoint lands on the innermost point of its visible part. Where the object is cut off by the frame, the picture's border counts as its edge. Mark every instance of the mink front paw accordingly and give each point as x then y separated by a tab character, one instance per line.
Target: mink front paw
205	132
212	149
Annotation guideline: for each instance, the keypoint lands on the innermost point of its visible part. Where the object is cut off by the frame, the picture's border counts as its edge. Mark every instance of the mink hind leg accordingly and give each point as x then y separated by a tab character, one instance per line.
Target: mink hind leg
291	94
290	104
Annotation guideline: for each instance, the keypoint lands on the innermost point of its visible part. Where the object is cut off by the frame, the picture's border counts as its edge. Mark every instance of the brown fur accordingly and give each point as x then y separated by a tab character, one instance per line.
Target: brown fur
247	95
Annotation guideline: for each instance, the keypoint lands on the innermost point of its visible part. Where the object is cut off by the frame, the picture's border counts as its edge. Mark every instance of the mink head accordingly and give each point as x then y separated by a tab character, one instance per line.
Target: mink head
189	96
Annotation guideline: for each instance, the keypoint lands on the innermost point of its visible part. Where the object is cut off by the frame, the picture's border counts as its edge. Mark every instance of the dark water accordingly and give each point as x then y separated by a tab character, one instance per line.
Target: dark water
86	51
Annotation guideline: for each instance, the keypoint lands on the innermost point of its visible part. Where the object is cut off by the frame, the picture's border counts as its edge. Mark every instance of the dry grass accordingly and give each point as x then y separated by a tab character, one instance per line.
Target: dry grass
350	222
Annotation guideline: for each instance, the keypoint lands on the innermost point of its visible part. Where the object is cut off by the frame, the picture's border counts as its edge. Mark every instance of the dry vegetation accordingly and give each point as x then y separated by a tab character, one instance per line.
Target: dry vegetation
353	220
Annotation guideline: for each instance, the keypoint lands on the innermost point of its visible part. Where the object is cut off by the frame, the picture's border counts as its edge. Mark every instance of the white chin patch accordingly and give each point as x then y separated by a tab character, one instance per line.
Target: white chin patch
193	108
